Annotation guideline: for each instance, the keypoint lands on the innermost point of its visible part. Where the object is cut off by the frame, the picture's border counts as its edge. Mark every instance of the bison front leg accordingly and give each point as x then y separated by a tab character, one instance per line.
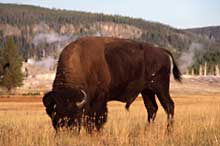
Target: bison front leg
95	120
89	122
150	104
101	118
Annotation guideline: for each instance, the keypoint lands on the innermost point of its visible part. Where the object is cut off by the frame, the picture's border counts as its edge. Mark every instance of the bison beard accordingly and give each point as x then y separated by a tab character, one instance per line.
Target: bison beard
94	70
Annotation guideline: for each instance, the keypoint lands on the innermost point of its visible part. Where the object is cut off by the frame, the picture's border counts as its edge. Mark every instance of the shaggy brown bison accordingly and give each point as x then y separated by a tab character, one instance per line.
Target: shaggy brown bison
94	70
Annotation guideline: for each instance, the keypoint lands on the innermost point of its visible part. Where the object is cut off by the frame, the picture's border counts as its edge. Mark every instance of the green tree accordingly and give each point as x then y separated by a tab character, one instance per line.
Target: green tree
13	76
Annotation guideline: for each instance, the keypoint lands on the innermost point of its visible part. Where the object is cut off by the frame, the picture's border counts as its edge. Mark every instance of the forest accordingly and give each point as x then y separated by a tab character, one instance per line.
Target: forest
40	32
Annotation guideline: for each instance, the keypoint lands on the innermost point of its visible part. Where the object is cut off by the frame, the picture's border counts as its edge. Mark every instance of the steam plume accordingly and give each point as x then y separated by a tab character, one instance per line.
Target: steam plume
186	58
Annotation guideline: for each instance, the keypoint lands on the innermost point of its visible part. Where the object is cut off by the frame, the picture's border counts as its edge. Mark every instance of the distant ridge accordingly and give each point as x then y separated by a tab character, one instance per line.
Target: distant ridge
212	32
41	32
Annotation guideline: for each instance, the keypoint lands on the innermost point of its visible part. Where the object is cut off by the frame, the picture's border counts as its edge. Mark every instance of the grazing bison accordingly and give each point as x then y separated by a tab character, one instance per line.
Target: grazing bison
94	70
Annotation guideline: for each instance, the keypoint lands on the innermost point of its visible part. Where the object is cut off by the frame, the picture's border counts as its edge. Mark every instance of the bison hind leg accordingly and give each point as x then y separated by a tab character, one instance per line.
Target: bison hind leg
150	104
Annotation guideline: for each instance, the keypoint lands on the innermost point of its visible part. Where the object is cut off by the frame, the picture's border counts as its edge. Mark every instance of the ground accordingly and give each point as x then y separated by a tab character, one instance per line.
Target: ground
23	121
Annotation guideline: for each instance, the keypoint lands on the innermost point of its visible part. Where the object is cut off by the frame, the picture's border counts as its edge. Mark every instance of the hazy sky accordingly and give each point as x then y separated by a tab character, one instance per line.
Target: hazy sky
177	13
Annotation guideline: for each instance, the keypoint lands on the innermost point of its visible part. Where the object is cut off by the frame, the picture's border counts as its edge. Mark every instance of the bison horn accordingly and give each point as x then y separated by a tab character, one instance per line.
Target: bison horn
84	101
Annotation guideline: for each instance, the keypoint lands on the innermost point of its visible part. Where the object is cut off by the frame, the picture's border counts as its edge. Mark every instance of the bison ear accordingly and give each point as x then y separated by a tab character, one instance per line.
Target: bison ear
7	65
49	99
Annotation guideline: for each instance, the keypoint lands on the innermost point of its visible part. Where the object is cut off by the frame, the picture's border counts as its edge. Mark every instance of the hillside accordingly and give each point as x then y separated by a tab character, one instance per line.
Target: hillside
42	32
212	32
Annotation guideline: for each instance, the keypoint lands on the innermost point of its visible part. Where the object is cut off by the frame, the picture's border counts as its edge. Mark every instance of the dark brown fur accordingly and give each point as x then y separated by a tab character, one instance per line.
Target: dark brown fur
108	69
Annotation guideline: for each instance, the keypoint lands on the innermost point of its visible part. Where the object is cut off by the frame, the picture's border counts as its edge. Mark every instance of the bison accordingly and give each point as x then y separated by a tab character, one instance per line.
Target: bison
94	70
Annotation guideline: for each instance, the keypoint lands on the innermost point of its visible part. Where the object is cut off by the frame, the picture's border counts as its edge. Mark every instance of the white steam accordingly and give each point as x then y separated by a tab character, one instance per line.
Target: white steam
186	58
50	38
48	62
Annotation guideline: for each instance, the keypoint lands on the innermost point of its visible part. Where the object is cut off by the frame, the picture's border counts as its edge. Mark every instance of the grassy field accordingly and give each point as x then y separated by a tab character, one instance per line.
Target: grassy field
197	123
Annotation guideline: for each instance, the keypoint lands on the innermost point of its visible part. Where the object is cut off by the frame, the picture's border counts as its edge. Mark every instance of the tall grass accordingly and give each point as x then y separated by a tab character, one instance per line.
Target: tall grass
197	123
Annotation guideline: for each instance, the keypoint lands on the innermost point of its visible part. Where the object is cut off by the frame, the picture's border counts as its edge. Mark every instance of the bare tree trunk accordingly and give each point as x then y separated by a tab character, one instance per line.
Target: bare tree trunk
200	70
217	73
187	72
192	72
205	69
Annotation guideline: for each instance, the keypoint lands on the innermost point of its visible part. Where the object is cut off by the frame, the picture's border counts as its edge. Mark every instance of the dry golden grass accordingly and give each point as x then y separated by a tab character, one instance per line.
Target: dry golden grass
197	123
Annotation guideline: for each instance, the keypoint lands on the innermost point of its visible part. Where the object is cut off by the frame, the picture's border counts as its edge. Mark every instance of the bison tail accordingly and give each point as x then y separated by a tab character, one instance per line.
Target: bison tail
176	72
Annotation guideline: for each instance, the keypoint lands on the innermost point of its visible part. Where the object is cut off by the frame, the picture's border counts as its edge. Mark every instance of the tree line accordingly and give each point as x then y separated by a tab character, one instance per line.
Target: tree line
25	16
13	75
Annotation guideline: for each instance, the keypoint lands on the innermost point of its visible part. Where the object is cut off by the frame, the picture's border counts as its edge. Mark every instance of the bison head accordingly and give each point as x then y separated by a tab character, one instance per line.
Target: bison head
84	101
2	69
71	100
65	107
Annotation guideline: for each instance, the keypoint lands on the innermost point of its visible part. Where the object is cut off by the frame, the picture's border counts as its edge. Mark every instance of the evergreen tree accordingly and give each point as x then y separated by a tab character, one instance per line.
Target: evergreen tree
13	76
